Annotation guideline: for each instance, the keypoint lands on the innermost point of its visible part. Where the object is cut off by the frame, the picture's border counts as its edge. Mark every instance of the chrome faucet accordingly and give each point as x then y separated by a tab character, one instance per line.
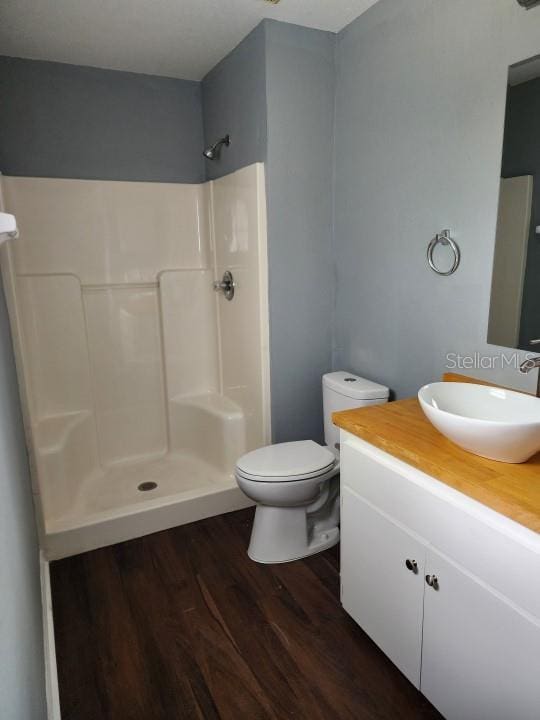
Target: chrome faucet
529	365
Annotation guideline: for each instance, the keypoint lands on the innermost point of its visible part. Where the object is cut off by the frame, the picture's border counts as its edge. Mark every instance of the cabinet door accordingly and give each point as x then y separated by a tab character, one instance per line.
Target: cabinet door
377	589
481	656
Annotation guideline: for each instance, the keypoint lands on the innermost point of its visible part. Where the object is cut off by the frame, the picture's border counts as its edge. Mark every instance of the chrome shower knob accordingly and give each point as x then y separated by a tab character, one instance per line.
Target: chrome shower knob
226	285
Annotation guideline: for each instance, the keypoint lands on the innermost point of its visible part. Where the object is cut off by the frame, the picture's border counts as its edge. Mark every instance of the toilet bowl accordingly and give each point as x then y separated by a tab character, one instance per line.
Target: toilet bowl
297	513
296	484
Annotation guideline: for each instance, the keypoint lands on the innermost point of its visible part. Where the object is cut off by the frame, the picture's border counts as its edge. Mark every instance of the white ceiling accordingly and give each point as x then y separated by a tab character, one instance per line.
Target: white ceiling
176	38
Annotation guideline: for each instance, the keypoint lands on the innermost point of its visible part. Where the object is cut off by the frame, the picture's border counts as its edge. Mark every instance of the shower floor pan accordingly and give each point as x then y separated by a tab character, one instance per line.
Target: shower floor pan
132	499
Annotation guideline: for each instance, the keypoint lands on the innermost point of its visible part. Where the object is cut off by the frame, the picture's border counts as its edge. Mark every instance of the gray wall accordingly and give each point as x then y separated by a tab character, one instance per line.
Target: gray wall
234	102
274	94
300	81
521	156
419	124
62	120
22	690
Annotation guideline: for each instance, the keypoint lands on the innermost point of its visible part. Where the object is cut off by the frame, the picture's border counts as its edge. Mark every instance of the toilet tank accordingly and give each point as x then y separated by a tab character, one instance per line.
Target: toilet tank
343	391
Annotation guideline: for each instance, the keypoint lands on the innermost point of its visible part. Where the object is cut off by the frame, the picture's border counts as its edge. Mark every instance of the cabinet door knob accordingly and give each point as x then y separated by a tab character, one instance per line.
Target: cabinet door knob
412	565
432	581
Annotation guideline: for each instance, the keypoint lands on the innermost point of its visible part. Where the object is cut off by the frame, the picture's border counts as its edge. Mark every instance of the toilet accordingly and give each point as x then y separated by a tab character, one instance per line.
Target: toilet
296	484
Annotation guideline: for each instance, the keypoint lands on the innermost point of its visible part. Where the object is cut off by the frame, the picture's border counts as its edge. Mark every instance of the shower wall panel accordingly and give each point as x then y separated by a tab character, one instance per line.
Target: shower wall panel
115	307
131	366
189	332
124	344
239	239
107	232
54	338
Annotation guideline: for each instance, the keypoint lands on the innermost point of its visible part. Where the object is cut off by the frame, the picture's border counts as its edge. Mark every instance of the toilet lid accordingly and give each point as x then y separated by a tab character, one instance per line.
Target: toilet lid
286	460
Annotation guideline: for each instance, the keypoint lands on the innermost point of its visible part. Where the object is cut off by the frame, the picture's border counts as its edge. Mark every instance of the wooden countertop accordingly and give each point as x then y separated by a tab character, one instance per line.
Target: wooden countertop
401	429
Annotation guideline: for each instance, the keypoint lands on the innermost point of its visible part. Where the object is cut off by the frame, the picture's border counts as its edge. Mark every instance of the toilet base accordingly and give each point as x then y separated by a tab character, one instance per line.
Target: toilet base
284	534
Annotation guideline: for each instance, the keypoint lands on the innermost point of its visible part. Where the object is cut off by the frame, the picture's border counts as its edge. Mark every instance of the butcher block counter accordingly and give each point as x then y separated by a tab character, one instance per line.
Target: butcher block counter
401	429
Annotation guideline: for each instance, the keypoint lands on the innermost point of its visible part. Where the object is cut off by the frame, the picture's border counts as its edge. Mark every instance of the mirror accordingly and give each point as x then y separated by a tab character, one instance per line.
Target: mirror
514	318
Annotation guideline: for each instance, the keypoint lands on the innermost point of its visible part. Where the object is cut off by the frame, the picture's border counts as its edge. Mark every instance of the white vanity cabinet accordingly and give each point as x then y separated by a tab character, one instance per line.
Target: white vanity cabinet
378	590
447	588
481	655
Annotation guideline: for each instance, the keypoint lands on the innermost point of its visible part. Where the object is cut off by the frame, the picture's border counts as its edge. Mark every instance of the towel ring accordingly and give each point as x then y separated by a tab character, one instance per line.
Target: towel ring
444	239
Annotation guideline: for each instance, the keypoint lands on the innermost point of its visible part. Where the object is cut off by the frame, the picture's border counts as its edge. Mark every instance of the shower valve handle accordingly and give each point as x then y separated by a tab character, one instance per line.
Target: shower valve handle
226	285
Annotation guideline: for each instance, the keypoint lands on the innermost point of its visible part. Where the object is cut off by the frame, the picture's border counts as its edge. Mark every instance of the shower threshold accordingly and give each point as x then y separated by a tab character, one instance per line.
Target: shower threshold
132	499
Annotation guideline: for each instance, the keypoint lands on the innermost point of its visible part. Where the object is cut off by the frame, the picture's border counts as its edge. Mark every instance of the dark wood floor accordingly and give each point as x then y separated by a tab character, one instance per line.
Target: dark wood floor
182	624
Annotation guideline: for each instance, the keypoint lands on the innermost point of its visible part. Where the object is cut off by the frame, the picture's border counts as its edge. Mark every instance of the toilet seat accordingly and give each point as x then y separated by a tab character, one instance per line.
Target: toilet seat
286	462
288	479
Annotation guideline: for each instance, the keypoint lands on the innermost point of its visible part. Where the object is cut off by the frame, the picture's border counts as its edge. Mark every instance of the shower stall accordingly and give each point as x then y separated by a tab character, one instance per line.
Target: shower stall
140	384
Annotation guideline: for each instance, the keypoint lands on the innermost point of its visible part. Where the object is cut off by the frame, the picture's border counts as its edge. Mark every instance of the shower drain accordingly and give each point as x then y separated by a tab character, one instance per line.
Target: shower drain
145	486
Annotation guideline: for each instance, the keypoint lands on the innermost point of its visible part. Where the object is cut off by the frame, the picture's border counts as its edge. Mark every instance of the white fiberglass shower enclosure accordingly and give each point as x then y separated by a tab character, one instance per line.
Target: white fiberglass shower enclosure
140	385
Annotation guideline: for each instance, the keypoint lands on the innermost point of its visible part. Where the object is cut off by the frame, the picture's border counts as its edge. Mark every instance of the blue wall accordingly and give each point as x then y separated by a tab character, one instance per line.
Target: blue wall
234	102
300	81
274	94
81	122
420	104
22	684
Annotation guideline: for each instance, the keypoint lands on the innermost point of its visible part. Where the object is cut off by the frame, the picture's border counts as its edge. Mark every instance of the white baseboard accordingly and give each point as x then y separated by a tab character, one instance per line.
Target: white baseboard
51	674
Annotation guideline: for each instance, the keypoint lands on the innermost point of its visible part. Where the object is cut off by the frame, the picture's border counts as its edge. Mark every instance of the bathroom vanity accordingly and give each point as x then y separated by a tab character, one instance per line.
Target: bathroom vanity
440	562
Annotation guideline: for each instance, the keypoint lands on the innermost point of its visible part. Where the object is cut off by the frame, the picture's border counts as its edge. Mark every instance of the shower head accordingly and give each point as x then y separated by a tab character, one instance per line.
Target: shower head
213	152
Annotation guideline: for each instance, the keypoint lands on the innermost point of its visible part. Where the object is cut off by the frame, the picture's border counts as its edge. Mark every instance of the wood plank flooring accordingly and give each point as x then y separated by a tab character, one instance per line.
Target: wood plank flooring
182	625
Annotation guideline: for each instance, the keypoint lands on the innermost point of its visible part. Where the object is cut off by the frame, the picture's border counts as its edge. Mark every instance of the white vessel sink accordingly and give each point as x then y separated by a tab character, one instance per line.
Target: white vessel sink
494	423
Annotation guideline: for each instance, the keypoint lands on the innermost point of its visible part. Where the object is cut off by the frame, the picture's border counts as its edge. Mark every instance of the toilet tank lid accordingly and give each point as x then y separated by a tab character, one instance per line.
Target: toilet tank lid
353	386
